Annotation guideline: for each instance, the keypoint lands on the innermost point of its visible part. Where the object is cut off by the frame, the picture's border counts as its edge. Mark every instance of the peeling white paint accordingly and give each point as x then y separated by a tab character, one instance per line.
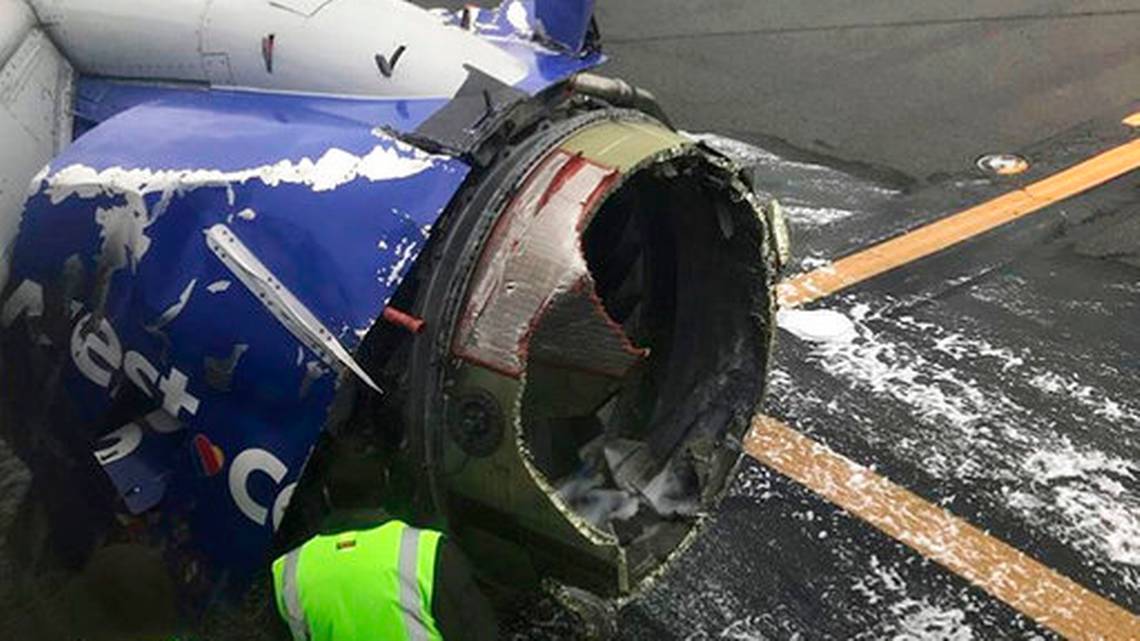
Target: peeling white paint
37	181
175	309
218	286
123	233
517	16
333	169
124	227
405	251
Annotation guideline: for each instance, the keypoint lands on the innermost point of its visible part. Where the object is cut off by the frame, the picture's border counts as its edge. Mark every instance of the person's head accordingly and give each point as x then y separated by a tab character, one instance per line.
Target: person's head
357	476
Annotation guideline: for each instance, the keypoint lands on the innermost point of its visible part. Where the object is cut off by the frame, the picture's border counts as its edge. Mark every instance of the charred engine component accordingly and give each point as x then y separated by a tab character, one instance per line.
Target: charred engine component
603	312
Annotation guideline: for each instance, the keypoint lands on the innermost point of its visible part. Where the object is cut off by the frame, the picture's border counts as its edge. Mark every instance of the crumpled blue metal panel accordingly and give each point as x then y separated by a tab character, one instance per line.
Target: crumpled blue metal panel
512	26
217	258
565	22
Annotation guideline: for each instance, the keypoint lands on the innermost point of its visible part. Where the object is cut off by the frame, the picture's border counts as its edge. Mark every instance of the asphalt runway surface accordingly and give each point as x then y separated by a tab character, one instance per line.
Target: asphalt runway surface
996	378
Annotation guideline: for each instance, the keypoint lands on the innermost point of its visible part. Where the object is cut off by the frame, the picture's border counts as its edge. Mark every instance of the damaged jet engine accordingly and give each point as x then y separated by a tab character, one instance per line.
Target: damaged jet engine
265	225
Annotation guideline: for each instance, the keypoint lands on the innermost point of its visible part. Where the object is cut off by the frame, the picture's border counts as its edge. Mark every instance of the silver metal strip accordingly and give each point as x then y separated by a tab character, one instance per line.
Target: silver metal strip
295	616
281	302
410	600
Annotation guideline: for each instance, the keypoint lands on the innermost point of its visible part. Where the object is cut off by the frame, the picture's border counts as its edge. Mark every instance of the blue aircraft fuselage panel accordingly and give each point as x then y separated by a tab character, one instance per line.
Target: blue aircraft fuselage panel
215	259
98	99
194	274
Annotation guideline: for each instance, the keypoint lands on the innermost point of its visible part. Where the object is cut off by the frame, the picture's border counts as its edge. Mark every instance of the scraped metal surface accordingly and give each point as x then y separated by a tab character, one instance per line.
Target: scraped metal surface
532	294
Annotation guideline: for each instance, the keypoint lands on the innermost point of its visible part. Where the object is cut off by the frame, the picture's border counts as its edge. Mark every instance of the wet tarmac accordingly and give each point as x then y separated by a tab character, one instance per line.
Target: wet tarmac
996	378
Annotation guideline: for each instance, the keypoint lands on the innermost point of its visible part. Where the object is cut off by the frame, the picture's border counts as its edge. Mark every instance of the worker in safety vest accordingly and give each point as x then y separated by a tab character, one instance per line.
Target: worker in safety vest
367	577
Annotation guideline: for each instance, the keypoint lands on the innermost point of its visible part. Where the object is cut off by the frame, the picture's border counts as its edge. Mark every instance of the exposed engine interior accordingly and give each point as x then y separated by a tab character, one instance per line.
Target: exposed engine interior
610	344
636	456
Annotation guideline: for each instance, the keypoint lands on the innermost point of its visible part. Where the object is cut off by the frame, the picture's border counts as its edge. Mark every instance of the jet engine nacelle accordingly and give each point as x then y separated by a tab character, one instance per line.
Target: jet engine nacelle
264	227
603	305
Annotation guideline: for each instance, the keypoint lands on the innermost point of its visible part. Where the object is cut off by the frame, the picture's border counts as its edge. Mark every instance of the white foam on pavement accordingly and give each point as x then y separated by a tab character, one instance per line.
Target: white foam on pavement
1012	434
817	326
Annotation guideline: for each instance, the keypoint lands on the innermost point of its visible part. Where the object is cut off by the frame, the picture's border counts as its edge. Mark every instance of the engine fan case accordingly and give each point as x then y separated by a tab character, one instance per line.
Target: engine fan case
606	302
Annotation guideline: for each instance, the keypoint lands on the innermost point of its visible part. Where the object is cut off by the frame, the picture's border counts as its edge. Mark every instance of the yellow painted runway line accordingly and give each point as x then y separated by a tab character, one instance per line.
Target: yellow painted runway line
956	228
1037	591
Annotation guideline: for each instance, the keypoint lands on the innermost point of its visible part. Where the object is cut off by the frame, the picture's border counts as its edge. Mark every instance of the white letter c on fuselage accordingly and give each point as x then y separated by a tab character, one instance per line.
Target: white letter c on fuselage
244	465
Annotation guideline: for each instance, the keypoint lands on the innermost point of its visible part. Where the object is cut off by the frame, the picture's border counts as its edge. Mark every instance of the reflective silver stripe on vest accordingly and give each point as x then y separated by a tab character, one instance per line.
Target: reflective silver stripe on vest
410	601
294	615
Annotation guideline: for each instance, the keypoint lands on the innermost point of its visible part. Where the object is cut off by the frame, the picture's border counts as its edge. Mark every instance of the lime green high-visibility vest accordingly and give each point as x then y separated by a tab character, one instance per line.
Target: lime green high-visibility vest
366	585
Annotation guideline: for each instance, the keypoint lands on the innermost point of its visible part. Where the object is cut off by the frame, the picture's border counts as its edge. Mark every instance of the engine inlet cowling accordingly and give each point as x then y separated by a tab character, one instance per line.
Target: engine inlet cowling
606	305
